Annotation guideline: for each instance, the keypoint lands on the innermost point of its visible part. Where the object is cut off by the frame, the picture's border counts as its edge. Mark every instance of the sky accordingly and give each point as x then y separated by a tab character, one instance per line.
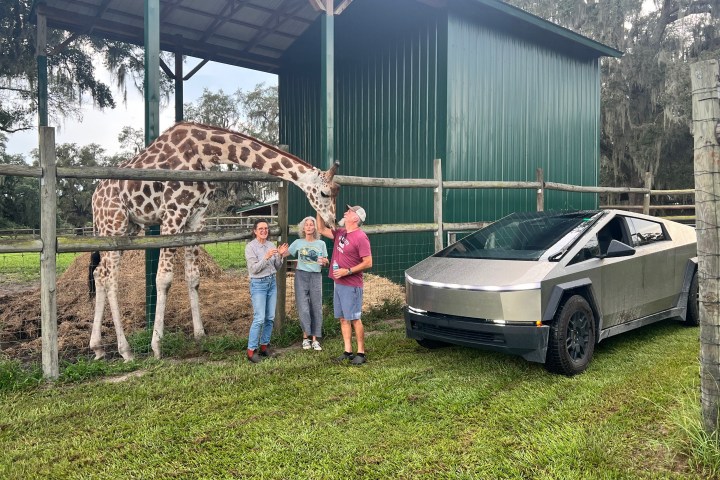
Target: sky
103	126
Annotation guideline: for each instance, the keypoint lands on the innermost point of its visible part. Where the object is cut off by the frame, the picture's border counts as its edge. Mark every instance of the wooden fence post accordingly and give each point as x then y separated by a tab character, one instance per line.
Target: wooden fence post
706	112
48	227
281	277
438	199
540	177
646	197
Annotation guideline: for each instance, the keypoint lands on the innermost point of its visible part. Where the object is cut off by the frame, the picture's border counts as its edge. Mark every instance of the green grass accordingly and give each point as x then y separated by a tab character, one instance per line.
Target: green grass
25	267
228	255
408	413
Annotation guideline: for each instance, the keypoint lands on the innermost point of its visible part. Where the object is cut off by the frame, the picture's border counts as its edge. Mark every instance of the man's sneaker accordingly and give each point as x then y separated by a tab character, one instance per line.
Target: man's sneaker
345	356
306	344
254	358
358	360
316	346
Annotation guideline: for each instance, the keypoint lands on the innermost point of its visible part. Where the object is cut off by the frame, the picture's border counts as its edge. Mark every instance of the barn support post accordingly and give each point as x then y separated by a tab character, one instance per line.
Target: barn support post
540	177
152	128
646	197
327	84
437	201
706	118
48	228
280	313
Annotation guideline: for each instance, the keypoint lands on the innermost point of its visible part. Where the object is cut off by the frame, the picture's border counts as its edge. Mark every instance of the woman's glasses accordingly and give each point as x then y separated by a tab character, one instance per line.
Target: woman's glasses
263	229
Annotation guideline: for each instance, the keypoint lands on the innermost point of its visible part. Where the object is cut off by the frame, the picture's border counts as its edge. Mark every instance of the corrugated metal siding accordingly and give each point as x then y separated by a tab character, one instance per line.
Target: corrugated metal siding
493	107
386	125
514	106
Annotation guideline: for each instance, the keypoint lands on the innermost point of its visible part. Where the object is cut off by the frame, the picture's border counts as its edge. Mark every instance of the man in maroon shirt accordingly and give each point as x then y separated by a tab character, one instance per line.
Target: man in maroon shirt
350	256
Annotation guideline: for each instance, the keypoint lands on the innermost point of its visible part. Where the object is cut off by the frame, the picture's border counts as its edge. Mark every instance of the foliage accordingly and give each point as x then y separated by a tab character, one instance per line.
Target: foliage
71	72
700	447
255	113
488	415
74	199
13	376
19	196
646	98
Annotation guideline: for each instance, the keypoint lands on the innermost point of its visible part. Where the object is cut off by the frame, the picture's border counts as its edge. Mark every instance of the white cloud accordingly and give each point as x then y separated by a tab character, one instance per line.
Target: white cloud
103	127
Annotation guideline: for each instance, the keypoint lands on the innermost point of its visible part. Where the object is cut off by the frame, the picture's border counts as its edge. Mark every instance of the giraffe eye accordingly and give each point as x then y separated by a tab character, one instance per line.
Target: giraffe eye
324	195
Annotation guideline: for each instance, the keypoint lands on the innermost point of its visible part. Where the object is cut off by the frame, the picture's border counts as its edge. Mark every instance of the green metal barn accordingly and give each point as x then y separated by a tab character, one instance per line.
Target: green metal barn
491	90
386	87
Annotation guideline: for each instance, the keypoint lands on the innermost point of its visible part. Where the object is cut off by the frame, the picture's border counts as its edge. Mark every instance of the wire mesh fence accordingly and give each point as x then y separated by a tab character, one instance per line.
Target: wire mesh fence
225	304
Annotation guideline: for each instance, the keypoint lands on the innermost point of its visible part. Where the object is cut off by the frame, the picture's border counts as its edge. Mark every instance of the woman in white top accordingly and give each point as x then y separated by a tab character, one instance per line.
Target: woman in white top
311	253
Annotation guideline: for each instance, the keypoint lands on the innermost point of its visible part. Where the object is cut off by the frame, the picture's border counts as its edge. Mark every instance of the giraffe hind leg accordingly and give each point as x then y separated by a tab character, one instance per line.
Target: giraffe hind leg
112	291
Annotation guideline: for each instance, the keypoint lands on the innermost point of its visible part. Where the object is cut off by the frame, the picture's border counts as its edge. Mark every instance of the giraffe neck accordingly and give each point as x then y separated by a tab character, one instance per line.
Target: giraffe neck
219	146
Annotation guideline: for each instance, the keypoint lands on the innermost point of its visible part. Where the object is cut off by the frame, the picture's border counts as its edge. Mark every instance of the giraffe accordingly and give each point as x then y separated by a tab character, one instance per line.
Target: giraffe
124	207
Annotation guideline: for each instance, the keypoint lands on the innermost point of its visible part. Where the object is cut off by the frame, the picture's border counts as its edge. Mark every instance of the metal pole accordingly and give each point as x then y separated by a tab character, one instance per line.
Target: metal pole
179	83
152	129
327	84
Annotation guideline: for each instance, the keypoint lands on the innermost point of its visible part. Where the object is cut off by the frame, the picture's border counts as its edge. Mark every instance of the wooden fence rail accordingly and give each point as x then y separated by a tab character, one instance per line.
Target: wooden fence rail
50	244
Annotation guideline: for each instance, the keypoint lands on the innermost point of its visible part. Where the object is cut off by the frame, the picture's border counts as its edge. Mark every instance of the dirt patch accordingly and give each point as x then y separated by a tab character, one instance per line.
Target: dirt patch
224	304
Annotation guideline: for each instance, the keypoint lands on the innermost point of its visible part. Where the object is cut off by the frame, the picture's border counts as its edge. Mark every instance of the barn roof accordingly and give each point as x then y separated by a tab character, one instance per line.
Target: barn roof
249	33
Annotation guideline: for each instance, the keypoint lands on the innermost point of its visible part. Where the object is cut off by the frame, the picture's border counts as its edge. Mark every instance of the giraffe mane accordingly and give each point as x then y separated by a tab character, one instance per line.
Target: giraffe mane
248	137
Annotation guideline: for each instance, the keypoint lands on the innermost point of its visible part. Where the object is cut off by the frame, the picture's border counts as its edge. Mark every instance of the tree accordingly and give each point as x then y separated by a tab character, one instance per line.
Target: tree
19	196
75	194
645	104
71	72
132	140
255	113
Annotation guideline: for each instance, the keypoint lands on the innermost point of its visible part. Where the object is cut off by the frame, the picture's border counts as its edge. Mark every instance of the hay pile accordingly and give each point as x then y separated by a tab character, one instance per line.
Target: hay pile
225	306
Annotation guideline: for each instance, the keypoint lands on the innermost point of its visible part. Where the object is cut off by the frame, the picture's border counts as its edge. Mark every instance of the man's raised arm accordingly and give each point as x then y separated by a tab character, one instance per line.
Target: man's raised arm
322	228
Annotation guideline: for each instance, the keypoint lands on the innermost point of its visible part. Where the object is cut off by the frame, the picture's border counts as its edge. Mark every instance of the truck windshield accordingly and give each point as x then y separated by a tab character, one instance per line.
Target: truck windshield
522	236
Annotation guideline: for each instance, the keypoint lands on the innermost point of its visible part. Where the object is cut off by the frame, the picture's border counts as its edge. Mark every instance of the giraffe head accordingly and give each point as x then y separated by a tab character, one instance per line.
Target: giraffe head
321	192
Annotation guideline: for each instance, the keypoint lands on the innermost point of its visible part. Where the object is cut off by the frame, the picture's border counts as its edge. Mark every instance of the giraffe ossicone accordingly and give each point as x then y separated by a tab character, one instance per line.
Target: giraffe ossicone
125	207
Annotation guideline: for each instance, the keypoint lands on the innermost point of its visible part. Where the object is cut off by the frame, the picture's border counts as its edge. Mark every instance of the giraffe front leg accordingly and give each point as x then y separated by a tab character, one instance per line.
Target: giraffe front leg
163	280
192	278
95	343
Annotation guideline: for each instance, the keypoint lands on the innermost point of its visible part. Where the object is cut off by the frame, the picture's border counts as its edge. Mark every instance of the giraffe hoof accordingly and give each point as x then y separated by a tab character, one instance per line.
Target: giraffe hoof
99	355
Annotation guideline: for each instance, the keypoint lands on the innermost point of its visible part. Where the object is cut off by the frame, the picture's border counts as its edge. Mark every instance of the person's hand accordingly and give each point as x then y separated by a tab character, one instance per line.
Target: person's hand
270	253
341	272
323	261
283	249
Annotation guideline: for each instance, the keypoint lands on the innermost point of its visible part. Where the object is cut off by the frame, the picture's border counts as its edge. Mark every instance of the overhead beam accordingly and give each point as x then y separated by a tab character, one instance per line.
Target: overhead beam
318	5
341	8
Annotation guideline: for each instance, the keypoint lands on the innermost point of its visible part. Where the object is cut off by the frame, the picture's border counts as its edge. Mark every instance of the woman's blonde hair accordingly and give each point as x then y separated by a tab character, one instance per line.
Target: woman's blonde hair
301	227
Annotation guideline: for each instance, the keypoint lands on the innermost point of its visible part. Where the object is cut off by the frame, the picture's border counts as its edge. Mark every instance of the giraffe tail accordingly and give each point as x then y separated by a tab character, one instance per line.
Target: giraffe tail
94	262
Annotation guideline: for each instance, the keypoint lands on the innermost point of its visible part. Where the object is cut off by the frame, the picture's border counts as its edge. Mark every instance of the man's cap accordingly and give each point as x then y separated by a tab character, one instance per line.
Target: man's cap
360	211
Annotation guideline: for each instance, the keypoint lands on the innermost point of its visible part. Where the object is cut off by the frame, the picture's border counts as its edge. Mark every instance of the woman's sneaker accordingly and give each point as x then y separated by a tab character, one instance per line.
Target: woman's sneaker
306	344
316	346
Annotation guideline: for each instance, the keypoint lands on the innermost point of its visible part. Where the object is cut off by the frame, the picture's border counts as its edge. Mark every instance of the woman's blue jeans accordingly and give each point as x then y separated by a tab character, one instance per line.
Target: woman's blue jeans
263	292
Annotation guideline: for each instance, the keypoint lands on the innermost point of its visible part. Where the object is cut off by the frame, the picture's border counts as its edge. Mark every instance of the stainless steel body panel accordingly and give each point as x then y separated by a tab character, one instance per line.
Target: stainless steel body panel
450	295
